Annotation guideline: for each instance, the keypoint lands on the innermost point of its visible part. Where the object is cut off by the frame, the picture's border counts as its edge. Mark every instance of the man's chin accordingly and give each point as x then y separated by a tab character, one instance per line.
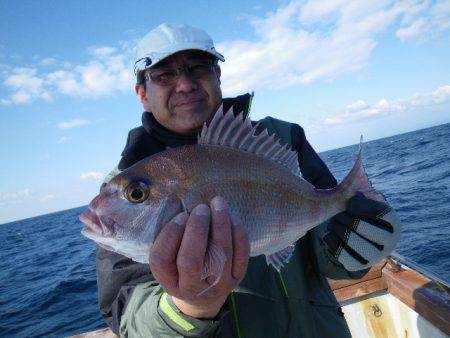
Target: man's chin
187	123
193	125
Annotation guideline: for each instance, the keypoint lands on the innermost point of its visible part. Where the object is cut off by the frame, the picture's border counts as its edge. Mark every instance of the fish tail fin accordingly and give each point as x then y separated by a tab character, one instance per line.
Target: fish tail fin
214	264
357	180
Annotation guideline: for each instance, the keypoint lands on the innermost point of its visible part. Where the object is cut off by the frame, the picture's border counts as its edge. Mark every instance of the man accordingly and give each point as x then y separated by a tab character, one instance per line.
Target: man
178	83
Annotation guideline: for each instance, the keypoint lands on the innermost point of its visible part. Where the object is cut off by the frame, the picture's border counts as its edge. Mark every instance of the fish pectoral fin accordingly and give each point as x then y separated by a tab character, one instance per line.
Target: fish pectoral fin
214	263
279	258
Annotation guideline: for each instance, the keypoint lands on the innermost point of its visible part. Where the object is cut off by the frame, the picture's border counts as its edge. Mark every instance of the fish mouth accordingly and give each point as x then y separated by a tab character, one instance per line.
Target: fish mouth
96	226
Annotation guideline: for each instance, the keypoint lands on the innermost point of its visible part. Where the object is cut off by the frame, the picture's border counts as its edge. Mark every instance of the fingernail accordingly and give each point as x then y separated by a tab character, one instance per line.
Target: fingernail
219	204
181	219
201	210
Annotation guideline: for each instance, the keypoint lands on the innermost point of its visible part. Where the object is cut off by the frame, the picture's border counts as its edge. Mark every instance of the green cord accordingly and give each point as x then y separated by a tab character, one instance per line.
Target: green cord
249	104
235	315
234	306
283	284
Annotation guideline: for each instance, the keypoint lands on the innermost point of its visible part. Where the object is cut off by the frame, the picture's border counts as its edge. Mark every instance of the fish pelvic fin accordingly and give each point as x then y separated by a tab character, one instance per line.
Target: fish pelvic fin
214	264
228	130
357	180
280	258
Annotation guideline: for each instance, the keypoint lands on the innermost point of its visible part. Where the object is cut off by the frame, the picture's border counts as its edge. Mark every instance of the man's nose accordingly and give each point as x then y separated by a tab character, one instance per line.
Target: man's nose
185	83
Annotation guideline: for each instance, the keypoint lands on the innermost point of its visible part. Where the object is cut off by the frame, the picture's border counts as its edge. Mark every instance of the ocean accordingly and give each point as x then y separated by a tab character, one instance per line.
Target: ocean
47	267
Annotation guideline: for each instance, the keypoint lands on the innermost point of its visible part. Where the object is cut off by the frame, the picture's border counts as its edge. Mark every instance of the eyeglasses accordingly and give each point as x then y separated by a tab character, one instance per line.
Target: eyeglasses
169	76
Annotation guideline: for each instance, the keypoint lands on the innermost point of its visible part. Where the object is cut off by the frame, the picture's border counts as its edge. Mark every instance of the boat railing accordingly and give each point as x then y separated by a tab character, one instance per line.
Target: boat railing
405	263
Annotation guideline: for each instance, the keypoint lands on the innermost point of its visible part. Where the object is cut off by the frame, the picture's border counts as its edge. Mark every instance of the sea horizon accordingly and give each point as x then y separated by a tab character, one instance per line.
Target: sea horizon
321	152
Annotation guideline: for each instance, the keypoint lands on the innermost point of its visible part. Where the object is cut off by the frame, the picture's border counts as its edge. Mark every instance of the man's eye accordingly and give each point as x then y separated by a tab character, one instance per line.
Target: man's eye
198	66
161	76
200	69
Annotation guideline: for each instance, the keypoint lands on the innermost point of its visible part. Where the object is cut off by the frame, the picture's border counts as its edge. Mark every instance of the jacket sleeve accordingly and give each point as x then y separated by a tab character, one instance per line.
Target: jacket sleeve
317	173
152	313
117	276
133	304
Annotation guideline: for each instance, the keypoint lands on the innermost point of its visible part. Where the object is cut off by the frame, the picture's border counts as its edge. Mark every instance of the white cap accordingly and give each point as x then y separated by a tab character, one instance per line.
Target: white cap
168	39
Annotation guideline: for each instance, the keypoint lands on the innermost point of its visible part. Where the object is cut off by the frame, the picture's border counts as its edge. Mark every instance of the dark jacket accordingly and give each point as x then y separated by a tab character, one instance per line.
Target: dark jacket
297	302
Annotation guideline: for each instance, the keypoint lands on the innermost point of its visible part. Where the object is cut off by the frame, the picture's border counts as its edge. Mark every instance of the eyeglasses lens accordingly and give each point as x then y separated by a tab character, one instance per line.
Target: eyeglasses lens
168	76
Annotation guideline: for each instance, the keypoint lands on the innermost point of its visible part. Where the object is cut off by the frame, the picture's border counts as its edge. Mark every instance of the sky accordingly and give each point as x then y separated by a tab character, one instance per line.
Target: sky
340	69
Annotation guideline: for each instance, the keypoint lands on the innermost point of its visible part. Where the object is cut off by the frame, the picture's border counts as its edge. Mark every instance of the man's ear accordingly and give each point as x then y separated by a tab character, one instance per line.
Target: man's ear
141	93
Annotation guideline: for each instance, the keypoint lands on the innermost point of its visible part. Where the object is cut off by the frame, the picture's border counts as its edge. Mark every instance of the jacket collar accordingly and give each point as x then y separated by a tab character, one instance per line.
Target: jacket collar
164	135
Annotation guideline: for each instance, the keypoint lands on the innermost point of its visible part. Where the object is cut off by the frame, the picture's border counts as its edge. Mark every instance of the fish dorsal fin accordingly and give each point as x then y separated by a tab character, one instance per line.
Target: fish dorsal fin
238	133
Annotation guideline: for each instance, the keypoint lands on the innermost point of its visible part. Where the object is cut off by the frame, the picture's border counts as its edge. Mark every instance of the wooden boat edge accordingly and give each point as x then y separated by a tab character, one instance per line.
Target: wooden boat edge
428	296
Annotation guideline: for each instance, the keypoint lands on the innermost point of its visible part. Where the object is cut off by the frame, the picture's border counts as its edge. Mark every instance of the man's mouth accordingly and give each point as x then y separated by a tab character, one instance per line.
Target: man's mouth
186	102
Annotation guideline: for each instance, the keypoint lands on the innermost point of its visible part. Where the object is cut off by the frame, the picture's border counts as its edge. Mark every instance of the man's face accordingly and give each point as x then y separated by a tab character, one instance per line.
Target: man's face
184	105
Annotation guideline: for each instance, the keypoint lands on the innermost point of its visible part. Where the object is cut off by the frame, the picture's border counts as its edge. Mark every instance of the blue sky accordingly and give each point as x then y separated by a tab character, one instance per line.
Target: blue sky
340	69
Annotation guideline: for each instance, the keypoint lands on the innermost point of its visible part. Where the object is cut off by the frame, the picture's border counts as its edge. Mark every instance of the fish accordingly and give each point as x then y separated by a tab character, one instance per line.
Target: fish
253	171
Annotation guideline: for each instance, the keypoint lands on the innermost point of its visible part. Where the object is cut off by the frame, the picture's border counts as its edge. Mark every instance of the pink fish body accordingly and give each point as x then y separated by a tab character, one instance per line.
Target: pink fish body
259	178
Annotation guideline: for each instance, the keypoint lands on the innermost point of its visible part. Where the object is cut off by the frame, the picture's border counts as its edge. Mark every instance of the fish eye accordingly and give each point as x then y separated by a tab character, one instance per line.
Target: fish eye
136	192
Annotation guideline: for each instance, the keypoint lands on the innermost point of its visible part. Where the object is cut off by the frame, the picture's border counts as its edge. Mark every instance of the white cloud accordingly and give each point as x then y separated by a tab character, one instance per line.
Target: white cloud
26	86
64	139
73	123
441	14
9	196
426	21
102	76
303	42
108	72
298	43
64	81
46	198
319	10
417	29
93	175
332	120
361	111
357	105
48	62
102	51
440	95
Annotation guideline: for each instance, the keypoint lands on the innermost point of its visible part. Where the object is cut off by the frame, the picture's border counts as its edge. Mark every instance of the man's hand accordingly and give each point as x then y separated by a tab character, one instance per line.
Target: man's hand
177	257
364	234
